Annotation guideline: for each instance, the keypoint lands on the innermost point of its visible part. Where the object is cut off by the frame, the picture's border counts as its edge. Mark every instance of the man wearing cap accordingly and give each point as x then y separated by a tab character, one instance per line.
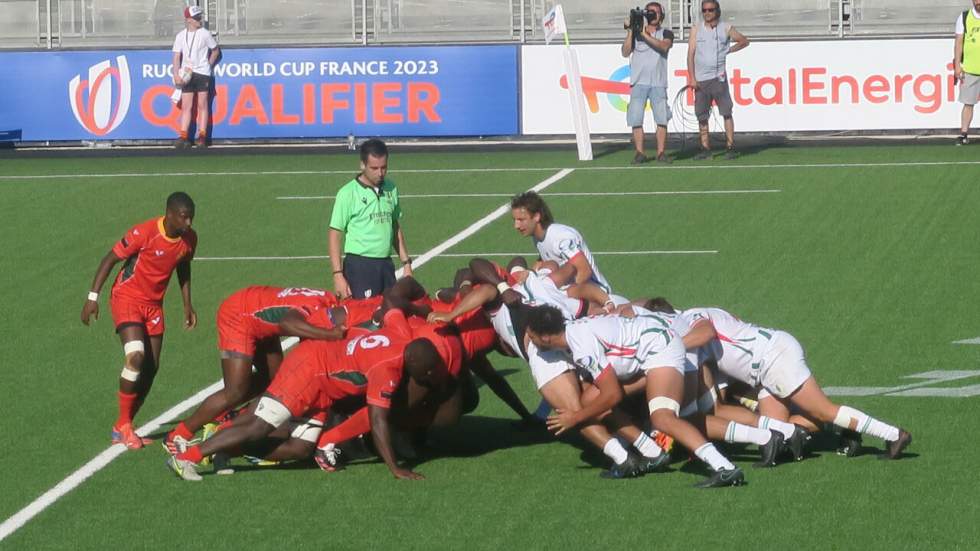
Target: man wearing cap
195	52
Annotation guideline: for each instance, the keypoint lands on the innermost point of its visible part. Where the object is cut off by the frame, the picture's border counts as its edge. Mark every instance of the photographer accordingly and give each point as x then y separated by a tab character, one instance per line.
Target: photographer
647	45
708	48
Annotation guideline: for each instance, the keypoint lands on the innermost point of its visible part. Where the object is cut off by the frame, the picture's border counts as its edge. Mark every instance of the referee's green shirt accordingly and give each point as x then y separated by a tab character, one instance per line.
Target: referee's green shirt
367	218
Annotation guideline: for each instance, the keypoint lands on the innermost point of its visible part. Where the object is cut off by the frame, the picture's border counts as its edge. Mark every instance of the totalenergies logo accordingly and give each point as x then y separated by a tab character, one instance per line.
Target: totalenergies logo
615	87
100	103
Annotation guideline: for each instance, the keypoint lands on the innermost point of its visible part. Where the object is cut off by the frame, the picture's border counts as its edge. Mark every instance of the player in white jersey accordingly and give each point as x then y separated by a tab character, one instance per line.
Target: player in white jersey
553	375
556	242
612	350
773	361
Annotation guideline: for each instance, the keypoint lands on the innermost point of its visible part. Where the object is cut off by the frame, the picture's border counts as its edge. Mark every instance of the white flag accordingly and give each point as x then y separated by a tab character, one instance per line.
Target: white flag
554	24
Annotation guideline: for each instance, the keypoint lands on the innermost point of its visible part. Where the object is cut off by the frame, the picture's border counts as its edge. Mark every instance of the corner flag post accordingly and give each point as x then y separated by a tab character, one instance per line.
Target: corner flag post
554	24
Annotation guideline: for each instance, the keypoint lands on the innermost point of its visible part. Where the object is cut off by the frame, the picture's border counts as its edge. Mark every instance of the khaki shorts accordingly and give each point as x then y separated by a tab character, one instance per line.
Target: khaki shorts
714	90
970	89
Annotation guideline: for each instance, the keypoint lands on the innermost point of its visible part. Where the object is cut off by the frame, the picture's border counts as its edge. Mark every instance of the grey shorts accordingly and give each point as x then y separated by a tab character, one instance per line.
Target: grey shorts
639	95
970	89
713	90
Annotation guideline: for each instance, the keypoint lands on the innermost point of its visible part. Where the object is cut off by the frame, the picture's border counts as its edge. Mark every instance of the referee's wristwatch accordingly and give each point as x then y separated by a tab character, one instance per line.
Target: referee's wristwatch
407	261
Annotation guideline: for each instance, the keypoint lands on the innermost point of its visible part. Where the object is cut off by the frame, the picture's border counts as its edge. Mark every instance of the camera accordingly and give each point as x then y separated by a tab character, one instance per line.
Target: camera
639	17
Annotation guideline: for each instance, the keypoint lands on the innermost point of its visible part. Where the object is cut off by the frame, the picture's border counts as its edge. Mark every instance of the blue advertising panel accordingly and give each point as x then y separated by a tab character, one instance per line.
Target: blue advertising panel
266	93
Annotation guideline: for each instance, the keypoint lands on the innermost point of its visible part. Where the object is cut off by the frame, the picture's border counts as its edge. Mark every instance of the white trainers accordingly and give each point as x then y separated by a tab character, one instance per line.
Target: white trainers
183	468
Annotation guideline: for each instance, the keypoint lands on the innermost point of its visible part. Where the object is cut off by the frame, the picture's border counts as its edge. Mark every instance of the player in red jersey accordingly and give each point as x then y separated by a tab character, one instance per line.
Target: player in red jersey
250	323
152	251
319	373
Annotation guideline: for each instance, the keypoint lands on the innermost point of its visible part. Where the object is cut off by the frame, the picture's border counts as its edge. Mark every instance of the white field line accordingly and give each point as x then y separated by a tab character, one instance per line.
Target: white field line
448	255
559	194
351	172
102	460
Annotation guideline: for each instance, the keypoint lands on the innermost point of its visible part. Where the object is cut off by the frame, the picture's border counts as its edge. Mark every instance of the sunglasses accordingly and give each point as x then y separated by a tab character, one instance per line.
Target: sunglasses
709	10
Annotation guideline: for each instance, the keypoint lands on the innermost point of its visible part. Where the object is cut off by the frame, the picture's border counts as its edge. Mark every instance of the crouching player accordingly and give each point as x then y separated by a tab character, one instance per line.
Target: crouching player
612	349
317	374
250	323
151	251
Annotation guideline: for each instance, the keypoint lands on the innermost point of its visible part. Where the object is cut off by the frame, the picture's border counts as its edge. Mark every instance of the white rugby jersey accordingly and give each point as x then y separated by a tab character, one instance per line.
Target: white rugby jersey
740	346
562	243
504	326
538	288
625	344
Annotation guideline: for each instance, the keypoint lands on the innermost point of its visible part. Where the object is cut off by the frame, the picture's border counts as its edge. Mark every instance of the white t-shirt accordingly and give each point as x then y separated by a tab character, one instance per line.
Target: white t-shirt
740	347
562	243
193	48
959	21
630	346
538	288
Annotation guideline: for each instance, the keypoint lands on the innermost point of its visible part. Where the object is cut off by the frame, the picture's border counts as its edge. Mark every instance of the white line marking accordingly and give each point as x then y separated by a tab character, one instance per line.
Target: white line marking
560	194
450	255
968	341
102	460
718	166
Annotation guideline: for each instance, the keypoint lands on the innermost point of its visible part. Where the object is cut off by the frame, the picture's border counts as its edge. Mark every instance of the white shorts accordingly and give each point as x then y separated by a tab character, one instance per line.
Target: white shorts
305	429
546	364
674	355
784	366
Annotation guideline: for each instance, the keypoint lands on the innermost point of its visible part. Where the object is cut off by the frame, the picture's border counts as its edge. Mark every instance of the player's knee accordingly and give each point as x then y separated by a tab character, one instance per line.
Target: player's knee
135	352
258	428
663	410
296	449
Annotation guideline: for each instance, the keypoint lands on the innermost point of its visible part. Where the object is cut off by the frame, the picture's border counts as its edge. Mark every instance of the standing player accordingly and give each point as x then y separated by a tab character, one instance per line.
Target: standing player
250	323
195	51
152	251
556	242
317	374
774	362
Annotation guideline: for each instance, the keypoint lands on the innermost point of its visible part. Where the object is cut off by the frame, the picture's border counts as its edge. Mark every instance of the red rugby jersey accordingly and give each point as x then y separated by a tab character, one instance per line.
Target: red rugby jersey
149	259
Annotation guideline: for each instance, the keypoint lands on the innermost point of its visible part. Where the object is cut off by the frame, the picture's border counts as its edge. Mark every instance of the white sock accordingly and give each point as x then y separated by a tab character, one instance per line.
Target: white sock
710	455
775	424
865	424
615	451
744	434
645	445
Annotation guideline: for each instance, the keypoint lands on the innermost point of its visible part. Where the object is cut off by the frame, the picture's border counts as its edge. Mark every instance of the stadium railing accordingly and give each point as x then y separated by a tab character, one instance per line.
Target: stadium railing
68	24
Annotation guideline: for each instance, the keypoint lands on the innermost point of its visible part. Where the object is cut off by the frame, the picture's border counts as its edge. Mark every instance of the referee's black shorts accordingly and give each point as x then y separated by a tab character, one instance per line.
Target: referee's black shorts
368	277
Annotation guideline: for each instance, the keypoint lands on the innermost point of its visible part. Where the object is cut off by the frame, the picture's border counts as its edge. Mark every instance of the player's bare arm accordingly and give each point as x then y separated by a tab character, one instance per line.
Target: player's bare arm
403	255
91	307
184	278
701	334
692	44
481	295
741	42
583	271
662	46
380	433
593	294
293	324
176	69
957	57
610	394
340	285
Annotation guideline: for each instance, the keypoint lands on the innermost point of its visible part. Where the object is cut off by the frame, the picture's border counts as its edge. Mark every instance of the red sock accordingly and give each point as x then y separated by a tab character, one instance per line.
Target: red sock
182	431
202	135
193	454
352	427
126	405
225	424
182	134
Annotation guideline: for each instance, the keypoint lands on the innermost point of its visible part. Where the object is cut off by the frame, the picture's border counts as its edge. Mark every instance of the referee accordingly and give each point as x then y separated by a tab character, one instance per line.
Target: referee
365	217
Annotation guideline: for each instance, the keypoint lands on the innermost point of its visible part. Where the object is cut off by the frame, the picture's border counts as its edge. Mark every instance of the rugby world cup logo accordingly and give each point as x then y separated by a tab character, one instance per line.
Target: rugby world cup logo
100	103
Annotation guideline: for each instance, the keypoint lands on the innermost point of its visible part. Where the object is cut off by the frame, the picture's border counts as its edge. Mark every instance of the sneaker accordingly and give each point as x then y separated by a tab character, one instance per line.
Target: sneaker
259	462
722	478
209	430
631	468
181	143
664	440
703	155
202	143
127	436
654	464
962	139
770	450
850	443
893	449
639	159
328	458
177	445
222	464
183	469
664	159
797	443
731	154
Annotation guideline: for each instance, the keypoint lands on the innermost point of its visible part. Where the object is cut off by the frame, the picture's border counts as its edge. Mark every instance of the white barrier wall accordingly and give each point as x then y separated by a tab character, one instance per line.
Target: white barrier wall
776	86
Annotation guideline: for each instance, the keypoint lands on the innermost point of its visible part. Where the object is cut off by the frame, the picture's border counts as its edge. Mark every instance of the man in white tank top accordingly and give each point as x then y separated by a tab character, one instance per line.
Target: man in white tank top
707	49
195	53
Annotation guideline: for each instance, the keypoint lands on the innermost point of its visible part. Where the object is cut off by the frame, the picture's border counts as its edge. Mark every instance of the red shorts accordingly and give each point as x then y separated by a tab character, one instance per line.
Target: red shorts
234	334
125	312
298	383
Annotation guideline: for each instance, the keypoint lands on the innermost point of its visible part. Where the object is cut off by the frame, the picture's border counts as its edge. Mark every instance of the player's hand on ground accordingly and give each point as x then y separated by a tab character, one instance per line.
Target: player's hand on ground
560	421
90	310
405	474
437	317
341	286
190	318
